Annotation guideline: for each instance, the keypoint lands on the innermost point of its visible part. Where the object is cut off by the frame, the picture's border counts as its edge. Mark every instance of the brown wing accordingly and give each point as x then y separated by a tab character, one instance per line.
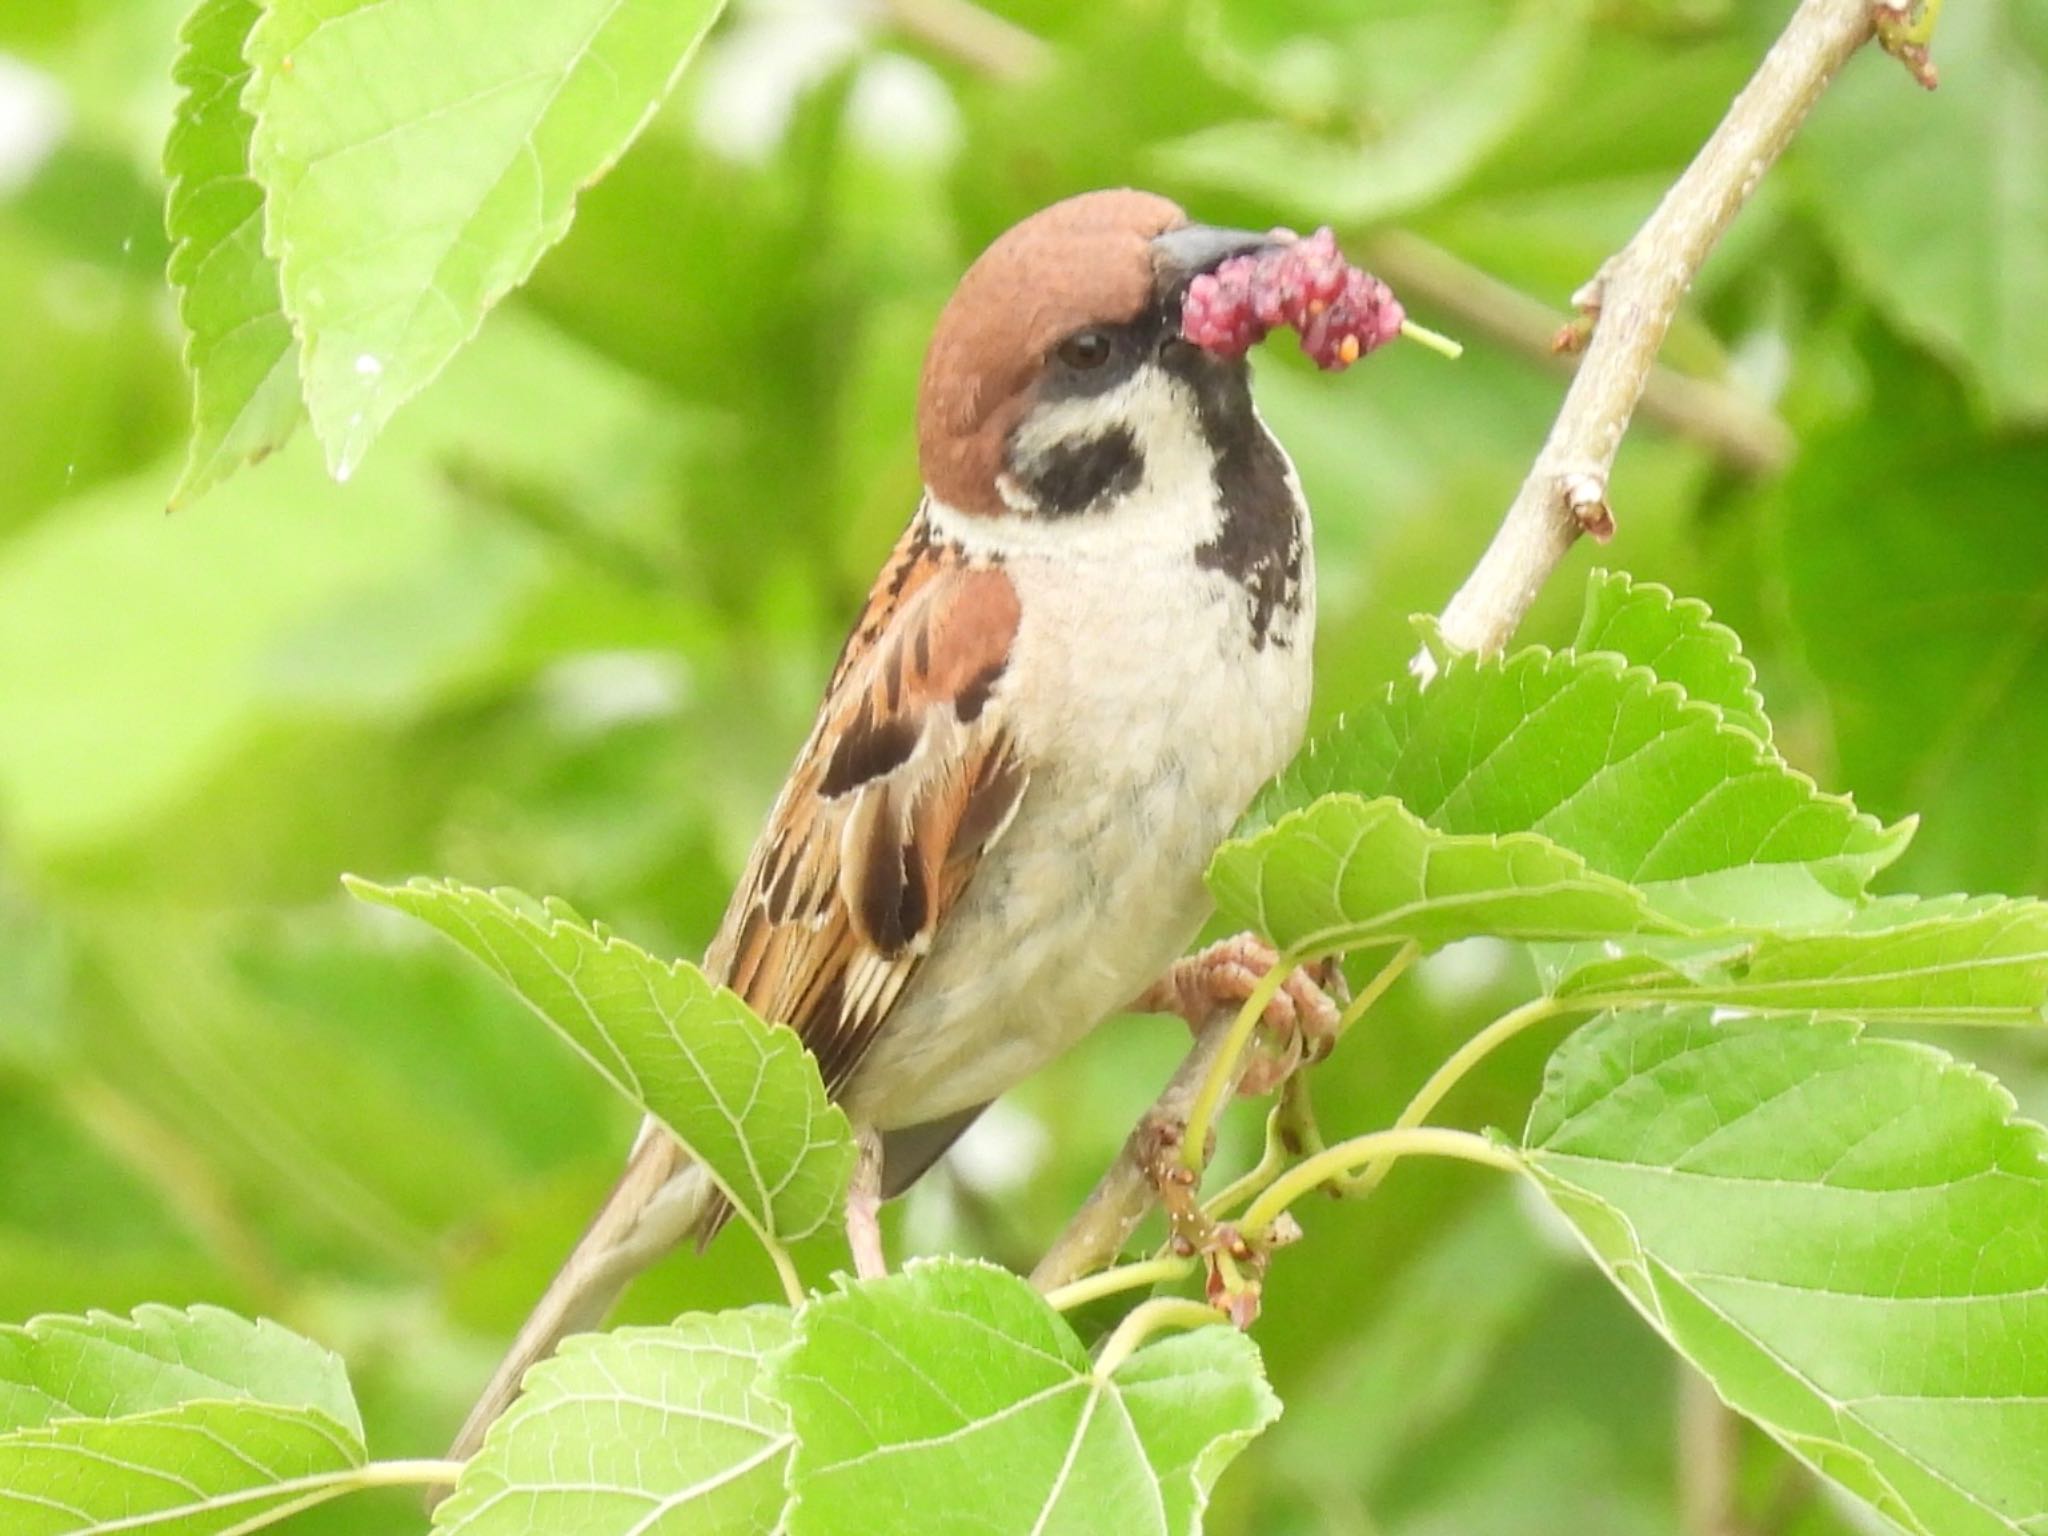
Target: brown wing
908	778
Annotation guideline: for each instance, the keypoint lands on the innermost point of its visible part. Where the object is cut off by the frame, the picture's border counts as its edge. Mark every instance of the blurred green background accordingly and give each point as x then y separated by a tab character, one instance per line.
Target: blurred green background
567	625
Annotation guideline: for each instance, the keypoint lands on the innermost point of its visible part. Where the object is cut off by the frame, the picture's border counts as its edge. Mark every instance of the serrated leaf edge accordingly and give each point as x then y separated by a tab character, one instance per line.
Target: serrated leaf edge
1602	578
1894	838
2032	1137
1227	1444
255	97
43	1324
520	905
192	480
527	1403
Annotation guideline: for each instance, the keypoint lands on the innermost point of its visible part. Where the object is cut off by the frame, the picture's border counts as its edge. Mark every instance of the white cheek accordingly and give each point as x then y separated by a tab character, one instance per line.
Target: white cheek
1172	507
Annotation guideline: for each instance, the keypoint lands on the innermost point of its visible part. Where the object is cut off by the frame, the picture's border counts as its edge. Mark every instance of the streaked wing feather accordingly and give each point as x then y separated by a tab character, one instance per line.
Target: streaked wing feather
909	777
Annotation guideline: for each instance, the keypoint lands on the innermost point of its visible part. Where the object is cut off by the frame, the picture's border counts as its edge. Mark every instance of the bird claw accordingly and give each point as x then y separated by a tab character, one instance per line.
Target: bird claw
1301	1019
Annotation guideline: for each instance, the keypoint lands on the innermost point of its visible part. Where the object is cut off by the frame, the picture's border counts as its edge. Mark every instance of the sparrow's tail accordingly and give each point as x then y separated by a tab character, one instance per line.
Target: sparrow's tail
660	1199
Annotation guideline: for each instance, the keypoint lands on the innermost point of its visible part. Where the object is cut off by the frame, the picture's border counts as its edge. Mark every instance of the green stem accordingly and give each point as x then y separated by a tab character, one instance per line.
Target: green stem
1467	1056
1376	1148
785	1271
425	1472
1296	1125
1456	1068
1291	1127
1223	1071
1125	1277
1146	1319
1253	1179
1436	341
1293	1110
1376	989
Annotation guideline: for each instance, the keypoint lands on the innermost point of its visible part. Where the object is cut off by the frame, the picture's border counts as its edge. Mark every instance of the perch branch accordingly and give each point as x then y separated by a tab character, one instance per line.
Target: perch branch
1633	298
1125	1193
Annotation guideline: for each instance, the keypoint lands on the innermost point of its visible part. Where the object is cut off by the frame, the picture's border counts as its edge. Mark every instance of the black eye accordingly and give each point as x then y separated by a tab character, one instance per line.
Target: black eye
1085	349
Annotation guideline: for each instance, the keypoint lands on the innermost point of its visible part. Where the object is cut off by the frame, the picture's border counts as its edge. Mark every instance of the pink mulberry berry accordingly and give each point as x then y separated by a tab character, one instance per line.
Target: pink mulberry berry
1340	312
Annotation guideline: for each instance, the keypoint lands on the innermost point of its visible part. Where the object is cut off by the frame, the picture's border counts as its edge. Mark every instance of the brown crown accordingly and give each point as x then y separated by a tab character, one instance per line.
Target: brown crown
1084	261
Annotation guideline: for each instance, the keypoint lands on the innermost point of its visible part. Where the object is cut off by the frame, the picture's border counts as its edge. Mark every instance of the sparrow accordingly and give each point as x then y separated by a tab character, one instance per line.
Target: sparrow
1086	653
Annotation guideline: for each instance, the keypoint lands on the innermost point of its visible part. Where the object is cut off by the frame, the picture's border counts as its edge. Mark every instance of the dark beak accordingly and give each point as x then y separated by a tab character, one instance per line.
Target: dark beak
1182	253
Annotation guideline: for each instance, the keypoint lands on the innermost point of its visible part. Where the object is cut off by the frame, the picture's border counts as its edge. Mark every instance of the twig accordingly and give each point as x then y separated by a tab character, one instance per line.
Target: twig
1633	298
1125	1193
979	39
1725	421
1635	295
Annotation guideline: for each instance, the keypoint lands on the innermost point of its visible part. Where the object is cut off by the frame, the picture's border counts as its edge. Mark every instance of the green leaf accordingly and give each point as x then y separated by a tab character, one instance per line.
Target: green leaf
744	1096
203	1469
992	1419
1646	966
636	1430
1343	873
419	156
238	344
1676	638
1848	1236
1939	203
1646	785
174	1423
1951	960
104	1367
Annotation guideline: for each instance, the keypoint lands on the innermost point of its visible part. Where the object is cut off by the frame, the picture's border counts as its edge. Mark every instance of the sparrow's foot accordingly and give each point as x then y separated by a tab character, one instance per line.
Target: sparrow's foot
1301	1019
864	1210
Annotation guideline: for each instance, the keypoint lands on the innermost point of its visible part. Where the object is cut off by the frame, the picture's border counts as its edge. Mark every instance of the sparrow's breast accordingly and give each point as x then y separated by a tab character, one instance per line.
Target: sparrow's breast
1161	676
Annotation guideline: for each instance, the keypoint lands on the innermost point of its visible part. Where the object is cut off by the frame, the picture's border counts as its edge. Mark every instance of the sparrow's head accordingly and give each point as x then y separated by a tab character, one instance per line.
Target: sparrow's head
1057	378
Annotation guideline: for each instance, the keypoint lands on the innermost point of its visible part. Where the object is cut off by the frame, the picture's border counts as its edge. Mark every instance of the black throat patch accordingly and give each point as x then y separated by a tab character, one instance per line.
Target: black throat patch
1260	543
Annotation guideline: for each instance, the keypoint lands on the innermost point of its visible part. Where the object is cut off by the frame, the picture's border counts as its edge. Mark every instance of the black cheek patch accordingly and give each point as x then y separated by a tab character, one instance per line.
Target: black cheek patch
1073	476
